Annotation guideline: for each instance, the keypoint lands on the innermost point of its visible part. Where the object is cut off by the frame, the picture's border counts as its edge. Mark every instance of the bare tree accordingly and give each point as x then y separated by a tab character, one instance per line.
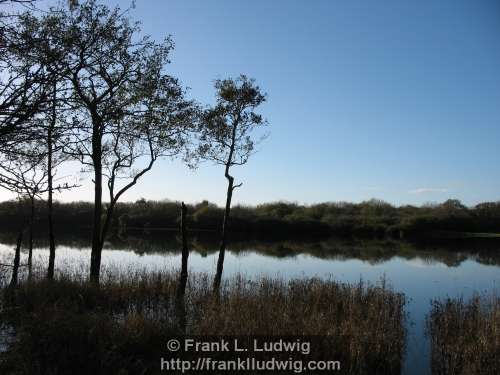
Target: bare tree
55	133
127	112
226	138
24	178
50	152
27	176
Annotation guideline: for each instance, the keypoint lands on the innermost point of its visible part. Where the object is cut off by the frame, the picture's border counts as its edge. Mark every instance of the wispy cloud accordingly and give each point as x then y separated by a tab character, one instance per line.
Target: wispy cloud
427	190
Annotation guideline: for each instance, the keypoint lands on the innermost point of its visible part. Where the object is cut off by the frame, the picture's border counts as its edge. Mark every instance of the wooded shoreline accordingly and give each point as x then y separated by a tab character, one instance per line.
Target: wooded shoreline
373	218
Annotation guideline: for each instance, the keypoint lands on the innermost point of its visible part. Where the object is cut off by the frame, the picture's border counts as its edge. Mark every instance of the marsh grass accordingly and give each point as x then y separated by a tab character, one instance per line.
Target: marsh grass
465	336
70	326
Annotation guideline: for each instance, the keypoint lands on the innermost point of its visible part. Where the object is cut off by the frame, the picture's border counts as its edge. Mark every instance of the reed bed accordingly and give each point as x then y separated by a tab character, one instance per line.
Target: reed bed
121	327
465	336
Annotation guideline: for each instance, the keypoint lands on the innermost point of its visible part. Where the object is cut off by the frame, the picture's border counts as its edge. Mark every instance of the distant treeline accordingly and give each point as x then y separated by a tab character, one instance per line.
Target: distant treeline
373	218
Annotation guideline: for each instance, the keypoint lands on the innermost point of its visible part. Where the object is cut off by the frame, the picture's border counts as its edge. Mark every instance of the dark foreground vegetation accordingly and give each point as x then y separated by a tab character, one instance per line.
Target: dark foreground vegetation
465	336
70	326
372	218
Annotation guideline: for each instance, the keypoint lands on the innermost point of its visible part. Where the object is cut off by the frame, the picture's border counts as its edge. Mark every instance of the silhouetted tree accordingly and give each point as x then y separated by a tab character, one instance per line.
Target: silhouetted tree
23	89
27	177
50	177
52	124
226	138
127	111
28	95
23	177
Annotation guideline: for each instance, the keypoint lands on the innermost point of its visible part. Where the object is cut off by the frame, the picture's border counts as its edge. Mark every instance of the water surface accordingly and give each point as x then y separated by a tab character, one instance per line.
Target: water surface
423	272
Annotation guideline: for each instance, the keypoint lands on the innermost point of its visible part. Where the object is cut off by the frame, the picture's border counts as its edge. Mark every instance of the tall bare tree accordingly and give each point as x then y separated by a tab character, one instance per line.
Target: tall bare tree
226	138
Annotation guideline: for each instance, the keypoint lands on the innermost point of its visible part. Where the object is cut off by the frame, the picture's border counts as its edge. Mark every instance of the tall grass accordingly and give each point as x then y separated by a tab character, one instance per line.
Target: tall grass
71	326
465	336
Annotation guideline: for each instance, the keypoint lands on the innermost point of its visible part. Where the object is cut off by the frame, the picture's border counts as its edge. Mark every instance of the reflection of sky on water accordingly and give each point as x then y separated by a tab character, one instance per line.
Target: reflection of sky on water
421	279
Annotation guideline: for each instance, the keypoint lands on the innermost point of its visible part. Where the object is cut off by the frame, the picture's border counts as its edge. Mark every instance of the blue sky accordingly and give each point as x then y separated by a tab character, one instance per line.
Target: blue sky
398	100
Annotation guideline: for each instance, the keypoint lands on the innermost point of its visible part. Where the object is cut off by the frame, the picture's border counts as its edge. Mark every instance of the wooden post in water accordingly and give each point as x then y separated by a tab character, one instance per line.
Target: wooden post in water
181	289
17	258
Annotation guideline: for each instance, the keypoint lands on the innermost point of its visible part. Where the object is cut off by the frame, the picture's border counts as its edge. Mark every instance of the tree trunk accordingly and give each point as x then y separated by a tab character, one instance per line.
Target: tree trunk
107	223
17	258
222	249
52	242
95	258
185	254
30	251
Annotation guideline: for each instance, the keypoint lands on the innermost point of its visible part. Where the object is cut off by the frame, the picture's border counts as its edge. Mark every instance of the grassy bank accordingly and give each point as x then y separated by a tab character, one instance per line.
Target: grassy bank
70	326
465	336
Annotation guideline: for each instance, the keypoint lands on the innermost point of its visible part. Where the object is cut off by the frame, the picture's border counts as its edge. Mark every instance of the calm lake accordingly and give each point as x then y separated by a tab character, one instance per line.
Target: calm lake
423	272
